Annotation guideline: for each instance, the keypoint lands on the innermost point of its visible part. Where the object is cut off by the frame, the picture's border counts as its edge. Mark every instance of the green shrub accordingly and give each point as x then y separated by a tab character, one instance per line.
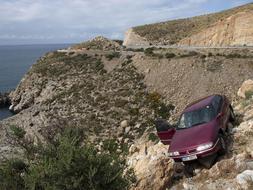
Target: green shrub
17	131
135	49
203	56
66	164
149	51
233	55
10	175
110	145
161	109
169	55
153	137
113	55
120	42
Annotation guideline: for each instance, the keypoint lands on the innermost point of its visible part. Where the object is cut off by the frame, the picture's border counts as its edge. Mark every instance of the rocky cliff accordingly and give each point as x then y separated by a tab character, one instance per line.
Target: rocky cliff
227	28
236	30
134	39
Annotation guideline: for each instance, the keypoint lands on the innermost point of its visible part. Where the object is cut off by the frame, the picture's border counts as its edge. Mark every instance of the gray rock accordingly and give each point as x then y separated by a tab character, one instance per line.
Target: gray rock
124	124
245	177
127	129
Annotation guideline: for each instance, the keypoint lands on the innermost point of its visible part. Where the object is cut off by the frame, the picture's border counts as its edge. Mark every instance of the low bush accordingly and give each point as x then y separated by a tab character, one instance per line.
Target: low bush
112	55
161	109
149	51
66	163
170	55
153	137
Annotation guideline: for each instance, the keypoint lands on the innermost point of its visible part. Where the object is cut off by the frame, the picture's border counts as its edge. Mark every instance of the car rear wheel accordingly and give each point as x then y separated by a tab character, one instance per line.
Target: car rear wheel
223	145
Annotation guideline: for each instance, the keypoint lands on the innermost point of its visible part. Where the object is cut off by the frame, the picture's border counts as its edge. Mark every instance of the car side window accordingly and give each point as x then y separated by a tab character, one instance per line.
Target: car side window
217	103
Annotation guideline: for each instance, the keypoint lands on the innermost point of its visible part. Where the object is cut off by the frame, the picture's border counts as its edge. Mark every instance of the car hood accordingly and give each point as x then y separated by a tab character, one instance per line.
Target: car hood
185	139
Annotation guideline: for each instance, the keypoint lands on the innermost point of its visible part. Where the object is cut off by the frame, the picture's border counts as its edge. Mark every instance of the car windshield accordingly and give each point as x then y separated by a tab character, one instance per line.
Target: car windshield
196	117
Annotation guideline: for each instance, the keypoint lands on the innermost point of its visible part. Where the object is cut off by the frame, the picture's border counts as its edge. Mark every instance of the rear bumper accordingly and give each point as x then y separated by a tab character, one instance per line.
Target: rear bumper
215	148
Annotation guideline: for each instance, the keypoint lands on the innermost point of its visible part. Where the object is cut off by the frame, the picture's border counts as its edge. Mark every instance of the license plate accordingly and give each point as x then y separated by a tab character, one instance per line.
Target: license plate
188	158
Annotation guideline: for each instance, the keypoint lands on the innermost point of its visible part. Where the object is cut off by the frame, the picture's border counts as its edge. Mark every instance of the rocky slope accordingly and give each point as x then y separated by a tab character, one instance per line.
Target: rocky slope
115	94
227	28
183	76
98	90
233	171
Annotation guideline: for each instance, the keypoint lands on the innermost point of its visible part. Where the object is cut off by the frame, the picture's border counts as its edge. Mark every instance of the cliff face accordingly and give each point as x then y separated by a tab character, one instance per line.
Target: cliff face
232	27
133	39
236	30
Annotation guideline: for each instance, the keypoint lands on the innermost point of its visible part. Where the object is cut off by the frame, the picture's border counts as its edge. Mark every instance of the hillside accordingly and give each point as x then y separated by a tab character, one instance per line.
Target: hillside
226	28
114	95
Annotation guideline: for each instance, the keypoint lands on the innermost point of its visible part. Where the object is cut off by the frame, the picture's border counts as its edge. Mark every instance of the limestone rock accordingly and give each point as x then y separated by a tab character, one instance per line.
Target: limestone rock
245	178
246	87
234	30
124	124
152	167
133	39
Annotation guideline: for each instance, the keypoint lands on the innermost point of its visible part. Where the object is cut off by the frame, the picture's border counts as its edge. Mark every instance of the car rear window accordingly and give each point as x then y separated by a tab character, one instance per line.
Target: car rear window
196	117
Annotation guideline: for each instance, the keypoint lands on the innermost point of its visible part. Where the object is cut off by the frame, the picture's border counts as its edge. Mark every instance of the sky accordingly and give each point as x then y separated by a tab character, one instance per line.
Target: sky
73	21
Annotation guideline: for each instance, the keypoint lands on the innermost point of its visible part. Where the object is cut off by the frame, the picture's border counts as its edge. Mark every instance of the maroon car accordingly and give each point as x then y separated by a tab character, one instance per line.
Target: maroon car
200	131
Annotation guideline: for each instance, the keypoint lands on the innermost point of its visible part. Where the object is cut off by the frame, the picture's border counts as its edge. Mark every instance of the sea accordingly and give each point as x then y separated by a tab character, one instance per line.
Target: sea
15	61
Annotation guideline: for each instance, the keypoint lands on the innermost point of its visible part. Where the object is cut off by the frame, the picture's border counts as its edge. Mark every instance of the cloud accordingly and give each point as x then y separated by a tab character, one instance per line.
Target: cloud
76	20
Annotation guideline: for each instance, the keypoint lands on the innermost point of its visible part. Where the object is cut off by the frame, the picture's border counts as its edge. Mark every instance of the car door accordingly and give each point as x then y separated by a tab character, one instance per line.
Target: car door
219	106
165	131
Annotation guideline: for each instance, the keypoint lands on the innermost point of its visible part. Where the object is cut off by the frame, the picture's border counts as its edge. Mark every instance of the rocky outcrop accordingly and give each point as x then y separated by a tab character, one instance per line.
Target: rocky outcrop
152	167
236	30
246	88
132	39
98	43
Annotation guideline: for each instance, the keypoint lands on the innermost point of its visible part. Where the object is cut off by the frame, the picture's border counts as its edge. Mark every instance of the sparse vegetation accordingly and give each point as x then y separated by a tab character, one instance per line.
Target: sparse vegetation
149	51
249	94
170	55
112	55
17	131
66	164
161	109
153	137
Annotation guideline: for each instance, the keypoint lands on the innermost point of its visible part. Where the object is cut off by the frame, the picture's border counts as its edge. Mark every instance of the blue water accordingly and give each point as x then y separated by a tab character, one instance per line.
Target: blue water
15	61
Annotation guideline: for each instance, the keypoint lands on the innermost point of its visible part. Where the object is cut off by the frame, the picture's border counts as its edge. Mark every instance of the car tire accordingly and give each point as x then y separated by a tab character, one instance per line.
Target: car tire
188	169
208	161
223	149
232	115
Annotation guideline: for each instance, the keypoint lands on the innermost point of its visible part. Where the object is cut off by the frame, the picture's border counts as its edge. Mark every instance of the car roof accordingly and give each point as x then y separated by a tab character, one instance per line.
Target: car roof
200	103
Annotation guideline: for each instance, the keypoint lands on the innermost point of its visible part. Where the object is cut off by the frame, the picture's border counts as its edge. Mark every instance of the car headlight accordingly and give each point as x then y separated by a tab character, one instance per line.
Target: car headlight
173	153
204	146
